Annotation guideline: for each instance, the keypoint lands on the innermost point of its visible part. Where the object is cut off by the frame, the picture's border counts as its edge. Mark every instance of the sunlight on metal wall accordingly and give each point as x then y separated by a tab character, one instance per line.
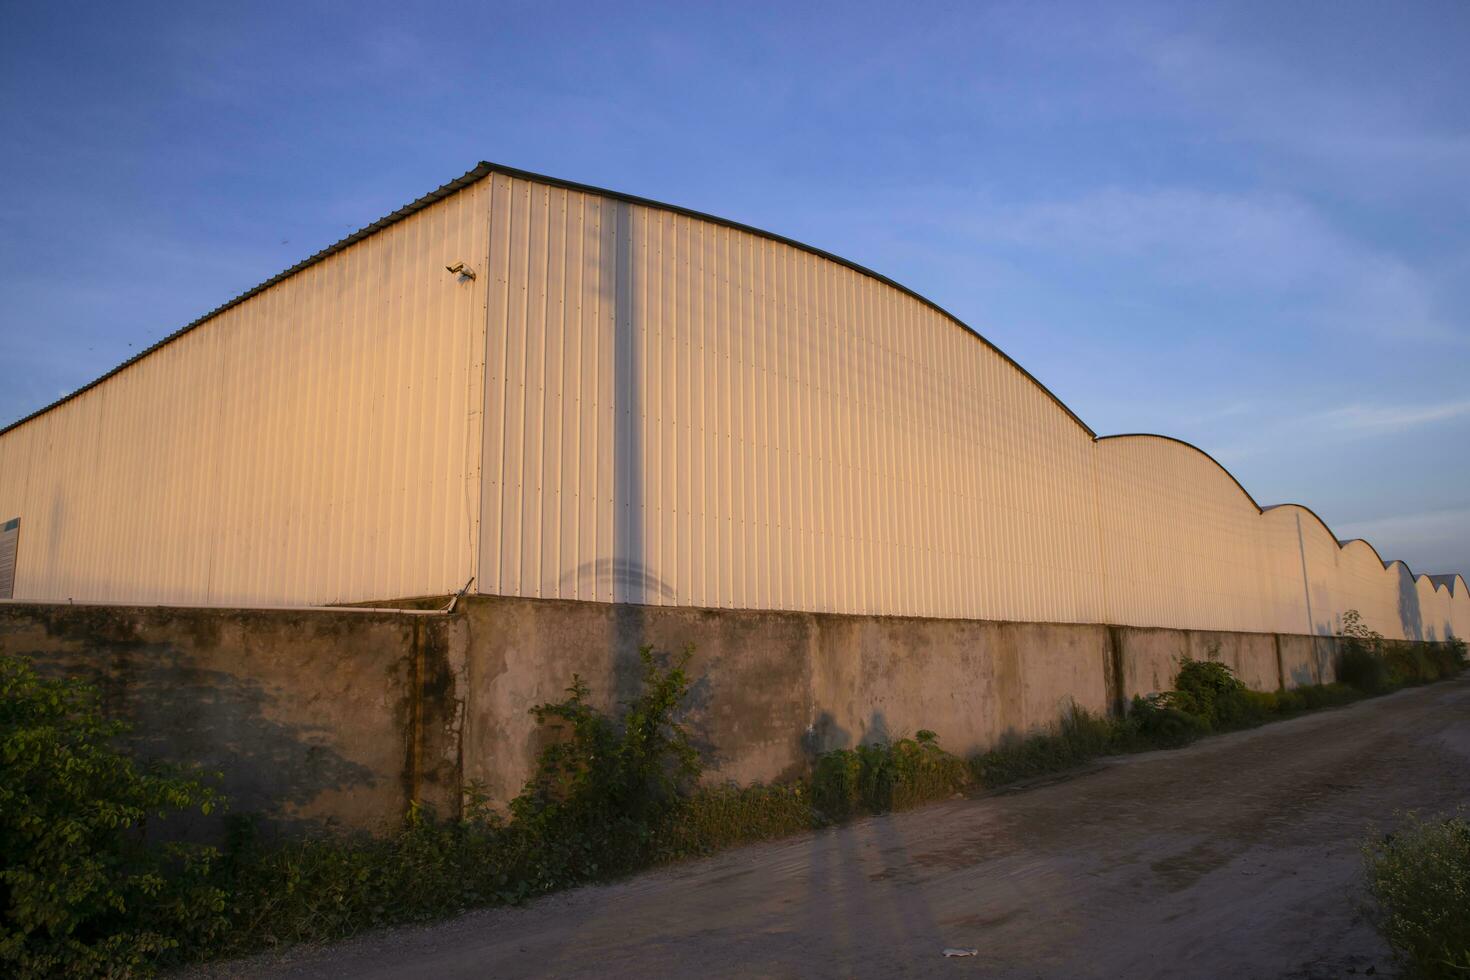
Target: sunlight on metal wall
680	412
634	404
684	413
312	444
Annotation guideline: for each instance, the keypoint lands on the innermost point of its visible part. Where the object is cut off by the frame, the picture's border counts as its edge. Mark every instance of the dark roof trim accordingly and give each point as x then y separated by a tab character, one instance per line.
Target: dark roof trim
1436	580
397	216
802	246
1342	546
484	169
1189	445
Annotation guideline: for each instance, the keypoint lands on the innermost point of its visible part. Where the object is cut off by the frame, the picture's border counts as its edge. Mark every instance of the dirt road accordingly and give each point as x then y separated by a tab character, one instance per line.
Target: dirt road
1237	858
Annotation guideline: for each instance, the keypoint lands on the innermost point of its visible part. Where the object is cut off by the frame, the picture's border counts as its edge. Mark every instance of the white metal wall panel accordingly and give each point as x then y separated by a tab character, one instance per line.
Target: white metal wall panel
316	443
680	412
634	404
684	413
1184	545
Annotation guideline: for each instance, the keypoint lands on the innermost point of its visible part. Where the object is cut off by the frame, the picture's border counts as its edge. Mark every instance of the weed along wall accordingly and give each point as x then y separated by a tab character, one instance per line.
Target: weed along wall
342	716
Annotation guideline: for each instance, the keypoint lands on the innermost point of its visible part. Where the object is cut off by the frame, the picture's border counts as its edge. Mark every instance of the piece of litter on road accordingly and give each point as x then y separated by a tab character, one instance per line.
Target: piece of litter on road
954	951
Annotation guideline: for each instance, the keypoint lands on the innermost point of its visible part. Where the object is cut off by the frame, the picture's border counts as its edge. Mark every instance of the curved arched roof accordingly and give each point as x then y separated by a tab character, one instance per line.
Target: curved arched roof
485	169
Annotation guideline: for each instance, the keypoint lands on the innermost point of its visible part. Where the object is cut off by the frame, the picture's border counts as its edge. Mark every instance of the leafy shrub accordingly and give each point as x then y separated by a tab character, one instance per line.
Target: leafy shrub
1362	668
1360	660
82	891
604	799
1156	722
599	796
836	784
1450	657
330	887
1374	665
885	776
1243	707
1420	880
1211	690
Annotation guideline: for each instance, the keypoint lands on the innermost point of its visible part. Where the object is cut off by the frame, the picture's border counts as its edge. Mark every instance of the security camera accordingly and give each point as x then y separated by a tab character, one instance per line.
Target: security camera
460	268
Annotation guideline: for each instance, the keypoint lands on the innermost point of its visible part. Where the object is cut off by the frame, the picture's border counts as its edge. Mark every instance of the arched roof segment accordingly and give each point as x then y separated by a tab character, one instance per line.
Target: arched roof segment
485	169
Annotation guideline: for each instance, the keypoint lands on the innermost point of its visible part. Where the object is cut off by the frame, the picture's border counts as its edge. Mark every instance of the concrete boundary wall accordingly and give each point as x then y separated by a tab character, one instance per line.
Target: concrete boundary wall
339	717
314	717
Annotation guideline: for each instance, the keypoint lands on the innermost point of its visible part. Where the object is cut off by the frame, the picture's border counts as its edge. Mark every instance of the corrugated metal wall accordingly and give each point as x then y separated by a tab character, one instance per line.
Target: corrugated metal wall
680	412
634	404
315	443
683	413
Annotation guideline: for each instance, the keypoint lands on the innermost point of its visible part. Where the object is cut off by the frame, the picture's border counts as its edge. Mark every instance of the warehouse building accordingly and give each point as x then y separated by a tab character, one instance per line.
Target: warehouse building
545	390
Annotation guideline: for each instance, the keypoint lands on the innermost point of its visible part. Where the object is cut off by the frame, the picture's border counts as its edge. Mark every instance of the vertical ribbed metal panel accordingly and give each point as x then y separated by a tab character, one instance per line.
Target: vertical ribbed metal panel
318	442
679	412
633	404
1184	546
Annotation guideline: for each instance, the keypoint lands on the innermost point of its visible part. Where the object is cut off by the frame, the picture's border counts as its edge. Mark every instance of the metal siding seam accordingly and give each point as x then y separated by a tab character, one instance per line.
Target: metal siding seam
714	308
396	351
533	515
704	509
690	430
608	432
744	388
493	475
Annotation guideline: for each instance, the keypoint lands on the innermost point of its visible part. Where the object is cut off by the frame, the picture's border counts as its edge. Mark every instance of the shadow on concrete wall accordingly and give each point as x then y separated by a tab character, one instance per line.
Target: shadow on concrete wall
630	579
185	714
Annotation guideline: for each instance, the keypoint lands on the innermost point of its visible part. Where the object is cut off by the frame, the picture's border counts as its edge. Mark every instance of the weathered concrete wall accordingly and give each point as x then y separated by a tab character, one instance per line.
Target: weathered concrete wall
972	682
312	716
752	671
343	716
1150	658
1307	659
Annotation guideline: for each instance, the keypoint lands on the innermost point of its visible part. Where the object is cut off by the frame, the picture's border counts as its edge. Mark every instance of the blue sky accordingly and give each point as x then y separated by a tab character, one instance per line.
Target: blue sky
1246	225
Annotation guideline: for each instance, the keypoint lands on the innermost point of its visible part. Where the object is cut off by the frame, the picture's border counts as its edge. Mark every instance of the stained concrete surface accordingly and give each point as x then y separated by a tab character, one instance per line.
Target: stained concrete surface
1237	857
315	719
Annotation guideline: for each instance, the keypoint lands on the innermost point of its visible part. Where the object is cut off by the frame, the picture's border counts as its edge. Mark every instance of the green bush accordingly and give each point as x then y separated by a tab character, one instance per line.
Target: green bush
1362	668
1361	663
1420	881
1243	708
885	776
607	797
330	887
1211	690
1156	721
600	795
1449	657
83	893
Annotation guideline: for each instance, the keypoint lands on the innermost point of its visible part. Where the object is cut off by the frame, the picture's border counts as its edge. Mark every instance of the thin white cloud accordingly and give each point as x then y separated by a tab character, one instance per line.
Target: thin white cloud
1262	246
1385	418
